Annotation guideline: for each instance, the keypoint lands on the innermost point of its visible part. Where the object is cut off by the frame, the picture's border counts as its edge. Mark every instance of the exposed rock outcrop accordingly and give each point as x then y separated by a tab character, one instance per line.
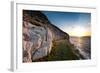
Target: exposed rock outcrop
38	35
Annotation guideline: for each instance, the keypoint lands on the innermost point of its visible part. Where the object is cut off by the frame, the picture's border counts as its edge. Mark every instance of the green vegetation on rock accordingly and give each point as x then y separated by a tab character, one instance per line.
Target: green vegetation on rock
62	50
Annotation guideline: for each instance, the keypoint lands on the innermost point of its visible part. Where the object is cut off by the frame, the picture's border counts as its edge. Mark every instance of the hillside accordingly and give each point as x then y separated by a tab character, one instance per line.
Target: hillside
43	41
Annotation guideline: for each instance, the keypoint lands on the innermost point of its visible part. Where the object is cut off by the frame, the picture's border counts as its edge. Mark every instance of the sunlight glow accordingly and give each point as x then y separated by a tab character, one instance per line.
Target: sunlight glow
79	32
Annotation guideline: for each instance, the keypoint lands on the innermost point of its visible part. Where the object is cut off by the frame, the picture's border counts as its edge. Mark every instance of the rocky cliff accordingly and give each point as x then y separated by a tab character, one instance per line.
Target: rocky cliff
39	35
39	19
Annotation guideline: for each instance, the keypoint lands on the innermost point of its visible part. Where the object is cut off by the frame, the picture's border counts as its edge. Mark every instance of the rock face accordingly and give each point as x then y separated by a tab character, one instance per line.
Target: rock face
38	35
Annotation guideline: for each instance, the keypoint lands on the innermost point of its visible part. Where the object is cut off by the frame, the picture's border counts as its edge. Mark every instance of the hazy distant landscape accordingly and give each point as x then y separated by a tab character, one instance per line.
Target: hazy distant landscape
83	44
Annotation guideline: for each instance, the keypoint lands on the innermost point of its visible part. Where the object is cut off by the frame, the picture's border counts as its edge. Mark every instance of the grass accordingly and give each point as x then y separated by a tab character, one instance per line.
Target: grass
62	50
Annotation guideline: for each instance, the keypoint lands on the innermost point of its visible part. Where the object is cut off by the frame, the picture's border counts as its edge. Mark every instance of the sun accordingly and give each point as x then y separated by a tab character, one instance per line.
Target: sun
78	31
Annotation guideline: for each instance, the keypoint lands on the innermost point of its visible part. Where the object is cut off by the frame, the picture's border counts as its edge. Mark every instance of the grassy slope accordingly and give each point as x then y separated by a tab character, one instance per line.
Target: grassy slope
62	50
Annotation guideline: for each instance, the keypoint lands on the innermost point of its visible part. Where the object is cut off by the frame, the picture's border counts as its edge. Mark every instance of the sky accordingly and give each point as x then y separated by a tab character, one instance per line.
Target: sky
74	23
